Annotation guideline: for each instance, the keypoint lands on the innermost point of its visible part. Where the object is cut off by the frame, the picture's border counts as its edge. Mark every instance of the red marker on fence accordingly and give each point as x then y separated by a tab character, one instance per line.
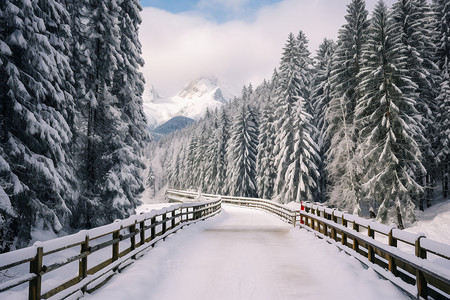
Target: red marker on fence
301	208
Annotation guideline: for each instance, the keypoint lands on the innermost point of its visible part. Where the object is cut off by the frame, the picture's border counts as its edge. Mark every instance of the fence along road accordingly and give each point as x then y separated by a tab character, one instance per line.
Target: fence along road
246	254
100	253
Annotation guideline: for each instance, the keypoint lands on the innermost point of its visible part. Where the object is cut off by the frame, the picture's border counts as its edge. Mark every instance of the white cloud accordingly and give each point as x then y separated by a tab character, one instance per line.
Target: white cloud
234	5
180	47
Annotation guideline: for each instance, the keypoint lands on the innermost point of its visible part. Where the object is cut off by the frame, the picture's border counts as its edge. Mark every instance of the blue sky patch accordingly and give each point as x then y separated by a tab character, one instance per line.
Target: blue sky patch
219	11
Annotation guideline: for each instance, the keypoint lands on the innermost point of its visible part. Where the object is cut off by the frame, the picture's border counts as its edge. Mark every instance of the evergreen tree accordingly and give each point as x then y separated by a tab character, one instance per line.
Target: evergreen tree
216	154
112	120
223	136
413	17
388	119
341	164
35	107
302	174
242	151
321	97
266	172
442	56
304	73
287	92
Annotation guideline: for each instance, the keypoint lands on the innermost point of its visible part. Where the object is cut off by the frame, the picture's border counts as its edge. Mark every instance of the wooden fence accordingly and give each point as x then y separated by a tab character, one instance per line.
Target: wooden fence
120	242
412	262
288	215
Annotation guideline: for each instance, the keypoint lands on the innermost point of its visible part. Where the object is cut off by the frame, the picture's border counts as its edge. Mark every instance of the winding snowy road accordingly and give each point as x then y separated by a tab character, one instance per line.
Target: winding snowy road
246	254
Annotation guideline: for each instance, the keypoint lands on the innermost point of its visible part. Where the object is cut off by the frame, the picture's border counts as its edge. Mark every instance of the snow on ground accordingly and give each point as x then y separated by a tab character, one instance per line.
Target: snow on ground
246	254
434	222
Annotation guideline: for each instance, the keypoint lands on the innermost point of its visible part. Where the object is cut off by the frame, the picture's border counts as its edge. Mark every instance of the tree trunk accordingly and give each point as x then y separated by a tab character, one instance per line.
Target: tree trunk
399	219
445	176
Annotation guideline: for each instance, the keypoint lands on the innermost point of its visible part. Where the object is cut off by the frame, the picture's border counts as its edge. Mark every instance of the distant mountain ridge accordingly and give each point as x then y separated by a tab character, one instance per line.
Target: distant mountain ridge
192	101
176	123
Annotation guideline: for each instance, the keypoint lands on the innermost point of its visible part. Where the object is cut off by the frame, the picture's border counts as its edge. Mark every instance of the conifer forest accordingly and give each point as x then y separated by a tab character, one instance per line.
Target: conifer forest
362	125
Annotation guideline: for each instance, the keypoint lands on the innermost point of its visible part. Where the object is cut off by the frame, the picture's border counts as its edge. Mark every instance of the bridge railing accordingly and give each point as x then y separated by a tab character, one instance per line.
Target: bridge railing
414	263
419	261
285	213
94	255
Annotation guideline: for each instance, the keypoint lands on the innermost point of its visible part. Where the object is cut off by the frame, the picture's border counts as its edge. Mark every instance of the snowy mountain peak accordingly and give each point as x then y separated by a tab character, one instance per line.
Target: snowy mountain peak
192	101
201	87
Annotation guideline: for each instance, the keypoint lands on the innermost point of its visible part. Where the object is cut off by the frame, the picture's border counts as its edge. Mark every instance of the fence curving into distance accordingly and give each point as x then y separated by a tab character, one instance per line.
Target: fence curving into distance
417	265
414	263
97	254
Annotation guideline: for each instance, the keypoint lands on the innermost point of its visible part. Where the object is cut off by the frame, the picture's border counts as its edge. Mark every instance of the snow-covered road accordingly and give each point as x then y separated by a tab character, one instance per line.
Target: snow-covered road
246	254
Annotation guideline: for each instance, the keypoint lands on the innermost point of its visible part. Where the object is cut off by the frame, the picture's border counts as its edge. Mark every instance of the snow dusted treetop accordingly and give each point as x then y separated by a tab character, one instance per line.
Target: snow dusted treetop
387	116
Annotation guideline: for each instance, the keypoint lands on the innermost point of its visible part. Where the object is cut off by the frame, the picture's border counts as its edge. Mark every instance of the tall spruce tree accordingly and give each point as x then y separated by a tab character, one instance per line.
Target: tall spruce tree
442	58
302	174
320	98
388	120
112	120
286	94
413	17
35	109
341	163
242	151
266	172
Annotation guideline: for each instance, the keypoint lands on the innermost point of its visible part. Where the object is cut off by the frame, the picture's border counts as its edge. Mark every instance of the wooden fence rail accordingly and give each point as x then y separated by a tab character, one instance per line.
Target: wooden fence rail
133	235
420	267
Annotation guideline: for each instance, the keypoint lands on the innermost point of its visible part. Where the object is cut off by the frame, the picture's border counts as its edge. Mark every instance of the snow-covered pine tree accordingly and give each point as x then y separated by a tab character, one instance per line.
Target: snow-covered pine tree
302	174
305	69
442	40
123	182
341	165
414	18
286	93
35	92
294	83
242	151
223	136
211	153
110	166
321	97
266	172
388	119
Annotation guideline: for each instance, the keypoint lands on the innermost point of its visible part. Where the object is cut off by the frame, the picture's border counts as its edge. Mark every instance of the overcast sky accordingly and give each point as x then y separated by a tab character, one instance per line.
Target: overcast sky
238	41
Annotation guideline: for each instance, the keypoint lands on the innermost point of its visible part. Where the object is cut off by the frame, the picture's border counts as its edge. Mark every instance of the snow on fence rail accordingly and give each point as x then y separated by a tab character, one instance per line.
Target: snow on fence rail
418	274
142	231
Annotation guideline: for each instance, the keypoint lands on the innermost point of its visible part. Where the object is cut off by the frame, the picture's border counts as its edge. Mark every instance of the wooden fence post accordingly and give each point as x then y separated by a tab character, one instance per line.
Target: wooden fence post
333	230
115	246
142	232
392	264
34	290
82	265
133	237
370	252
355	240
164	225
153	229
421	282
173	219
344	235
